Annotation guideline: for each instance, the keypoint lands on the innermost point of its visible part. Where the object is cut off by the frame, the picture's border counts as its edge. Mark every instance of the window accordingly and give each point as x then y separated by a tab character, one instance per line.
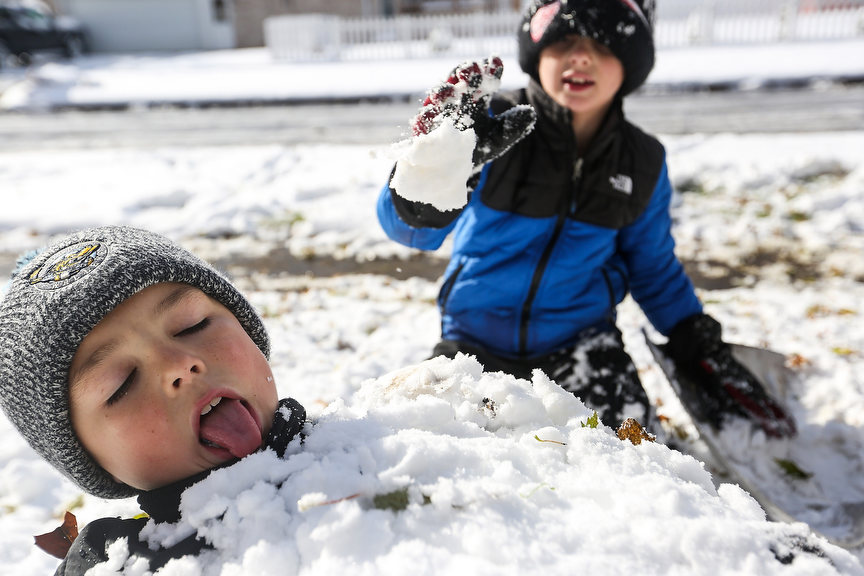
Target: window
30	19
220	11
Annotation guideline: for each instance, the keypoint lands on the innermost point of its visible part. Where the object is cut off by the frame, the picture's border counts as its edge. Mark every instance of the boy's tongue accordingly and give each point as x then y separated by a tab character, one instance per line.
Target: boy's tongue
230	425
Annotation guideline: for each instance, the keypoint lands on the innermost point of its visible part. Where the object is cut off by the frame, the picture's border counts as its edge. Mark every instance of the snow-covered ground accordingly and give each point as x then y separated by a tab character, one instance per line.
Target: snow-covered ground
443	468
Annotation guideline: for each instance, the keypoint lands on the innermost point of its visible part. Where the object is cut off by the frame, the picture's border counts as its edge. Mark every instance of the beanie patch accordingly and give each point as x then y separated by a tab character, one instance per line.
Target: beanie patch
69	265
541	20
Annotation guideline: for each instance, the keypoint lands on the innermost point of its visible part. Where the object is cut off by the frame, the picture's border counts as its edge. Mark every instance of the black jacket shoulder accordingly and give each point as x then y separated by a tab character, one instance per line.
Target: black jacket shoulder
90	547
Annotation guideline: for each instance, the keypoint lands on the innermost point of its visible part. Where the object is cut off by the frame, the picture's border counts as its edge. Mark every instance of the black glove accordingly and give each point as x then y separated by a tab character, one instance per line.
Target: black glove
464	97
716	385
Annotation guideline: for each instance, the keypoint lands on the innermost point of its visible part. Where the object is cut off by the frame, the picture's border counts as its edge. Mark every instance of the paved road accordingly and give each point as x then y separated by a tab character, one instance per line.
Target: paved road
804	110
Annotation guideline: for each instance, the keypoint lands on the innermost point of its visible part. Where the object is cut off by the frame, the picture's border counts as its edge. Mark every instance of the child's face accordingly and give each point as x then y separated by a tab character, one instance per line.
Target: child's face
141	379
580	74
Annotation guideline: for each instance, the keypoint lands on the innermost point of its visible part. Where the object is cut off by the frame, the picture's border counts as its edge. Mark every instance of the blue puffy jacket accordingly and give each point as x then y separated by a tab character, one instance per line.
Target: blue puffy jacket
550	242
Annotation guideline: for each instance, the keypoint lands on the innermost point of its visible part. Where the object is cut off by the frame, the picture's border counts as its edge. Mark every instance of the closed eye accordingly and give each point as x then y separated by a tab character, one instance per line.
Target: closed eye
123	389
196	328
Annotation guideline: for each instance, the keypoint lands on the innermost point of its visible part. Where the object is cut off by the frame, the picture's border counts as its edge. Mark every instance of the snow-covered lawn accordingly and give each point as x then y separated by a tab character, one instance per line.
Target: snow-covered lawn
771	227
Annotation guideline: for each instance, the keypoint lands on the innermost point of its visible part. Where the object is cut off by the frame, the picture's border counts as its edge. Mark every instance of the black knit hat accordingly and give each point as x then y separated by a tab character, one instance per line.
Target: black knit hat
55	300
624	26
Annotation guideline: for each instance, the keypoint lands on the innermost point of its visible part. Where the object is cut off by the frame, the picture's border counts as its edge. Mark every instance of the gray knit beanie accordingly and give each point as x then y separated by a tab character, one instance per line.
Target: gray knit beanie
54	300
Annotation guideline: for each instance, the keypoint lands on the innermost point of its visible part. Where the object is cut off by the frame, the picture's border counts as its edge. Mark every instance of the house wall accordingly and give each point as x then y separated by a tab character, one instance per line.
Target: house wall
454	6
250	14
152	25
171	25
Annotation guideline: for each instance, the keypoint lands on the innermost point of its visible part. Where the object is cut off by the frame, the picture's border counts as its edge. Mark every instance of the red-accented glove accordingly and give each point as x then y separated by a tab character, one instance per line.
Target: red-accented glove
464	98
716	385
441	163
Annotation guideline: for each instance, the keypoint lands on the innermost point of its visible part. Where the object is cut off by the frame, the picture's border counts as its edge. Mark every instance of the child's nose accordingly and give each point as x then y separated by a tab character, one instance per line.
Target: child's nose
180	380
180	371
580	51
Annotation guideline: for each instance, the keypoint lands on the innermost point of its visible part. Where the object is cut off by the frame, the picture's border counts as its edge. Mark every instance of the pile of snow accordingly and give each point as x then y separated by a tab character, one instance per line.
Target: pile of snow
440	467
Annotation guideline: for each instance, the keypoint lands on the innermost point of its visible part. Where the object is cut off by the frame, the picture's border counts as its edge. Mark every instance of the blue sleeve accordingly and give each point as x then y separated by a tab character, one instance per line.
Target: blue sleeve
396	229
657	278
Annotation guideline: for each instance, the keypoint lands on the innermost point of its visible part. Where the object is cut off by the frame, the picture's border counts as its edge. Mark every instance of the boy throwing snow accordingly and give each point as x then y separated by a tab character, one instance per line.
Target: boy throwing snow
566	212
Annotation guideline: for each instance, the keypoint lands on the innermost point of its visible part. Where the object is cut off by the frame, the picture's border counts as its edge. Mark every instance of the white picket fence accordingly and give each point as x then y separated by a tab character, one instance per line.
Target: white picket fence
312	37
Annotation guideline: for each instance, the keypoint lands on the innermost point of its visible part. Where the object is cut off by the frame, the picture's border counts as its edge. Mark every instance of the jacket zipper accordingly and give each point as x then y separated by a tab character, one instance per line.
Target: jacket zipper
525	317
577	176
444	295
611	292
613	314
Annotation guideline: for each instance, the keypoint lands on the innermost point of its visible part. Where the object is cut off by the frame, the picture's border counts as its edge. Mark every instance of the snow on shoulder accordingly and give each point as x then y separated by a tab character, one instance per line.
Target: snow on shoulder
441	467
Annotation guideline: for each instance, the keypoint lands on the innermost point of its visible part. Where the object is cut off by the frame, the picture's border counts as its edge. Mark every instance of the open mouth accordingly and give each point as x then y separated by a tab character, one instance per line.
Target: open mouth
578	83
227	425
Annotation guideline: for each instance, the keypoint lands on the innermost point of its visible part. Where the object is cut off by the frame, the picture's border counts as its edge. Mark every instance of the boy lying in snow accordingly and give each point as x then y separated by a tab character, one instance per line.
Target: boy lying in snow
134	368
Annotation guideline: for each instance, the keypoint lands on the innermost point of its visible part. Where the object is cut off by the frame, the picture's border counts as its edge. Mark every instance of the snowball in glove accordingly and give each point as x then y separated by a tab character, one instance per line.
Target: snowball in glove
454	136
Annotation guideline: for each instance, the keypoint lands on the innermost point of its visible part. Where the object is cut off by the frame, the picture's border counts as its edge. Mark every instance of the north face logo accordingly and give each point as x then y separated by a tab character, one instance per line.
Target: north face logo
622	183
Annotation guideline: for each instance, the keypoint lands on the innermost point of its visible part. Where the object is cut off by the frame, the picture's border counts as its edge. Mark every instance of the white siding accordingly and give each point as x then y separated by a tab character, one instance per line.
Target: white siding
151	25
